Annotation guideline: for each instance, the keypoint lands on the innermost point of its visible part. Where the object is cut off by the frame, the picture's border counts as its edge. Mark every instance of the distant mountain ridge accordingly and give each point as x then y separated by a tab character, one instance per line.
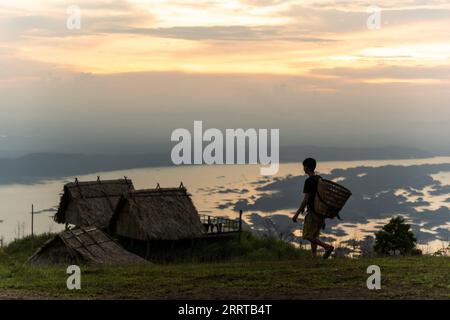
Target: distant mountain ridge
35	167
293	153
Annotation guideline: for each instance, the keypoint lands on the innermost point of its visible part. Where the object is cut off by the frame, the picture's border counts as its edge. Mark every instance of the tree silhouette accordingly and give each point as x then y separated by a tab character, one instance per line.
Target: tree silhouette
395	238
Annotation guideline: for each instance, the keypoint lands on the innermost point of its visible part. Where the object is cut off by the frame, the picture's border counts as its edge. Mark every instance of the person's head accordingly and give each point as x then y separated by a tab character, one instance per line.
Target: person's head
309	165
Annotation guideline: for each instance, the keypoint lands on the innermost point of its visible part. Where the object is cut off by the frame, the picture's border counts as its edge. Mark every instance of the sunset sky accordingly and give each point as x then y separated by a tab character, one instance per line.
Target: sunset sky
136	70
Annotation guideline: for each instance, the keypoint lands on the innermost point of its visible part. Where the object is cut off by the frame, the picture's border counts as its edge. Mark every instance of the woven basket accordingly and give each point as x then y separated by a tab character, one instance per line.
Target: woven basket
330	198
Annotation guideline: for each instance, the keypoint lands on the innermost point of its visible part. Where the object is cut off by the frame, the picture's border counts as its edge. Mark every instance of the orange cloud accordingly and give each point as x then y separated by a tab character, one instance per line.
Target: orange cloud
270	37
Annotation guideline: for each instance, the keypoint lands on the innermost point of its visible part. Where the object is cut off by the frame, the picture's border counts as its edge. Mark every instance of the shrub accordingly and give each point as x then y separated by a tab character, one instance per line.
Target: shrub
396	238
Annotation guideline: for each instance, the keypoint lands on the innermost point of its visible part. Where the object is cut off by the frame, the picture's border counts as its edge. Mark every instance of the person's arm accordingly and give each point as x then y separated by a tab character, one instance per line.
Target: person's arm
302	207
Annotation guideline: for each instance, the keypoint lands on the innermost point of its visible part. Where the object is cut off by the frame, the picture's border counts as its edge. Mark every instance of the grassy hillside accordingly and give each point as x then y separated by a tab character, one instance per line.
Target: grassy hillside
256	268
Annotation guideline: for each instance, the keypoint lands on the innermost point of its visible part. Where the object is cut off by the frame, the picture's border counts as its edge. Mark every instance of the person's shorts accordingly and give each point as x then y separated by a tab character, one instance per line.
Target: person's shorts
312	225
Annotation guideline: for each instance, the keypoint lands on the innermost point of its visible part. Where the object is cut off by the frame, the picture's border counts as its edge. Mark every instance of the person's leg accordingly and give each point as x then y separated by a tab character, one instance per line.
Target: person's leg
317	242
328	248
323	244
314	249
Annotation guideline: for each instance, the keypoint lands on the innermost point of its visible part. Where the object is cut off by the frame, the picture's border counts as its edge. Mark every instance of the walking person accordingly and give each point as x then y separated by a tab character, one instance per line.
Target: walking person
313	222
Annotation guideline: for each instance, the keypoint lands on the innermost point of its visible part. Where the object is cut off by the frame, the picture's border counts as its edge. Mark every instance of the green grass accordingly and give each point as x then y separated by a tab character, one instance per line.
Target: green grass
18	251
257	268
249	248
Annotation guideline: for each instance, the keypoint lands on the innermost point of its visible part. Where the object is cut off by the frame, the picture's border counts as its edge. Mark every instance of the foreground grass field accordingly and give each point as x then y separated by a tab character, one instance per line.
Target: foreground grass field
287	274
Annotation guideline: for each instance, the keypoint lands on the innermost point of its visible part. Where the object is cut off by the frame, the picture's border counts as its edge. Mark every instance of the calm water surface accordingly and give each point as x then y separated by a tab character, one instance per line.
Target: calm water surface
210	186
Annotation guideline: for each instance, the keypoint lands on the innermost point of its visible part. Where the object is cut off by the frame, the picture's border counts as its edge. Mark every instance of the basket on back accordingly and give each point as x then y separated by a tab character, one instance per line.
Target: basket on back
330	198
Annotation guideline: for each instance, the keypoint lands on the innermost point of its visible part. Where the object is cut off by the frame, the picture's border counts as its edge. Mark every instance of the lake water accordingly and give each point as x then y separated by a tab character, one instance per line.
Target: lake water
211	187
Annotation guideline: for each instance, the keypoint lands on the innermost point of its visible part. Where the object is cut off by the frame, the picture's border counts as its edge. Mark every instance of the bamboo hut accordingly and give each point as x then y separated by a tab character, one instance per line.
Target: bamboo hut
82	246
91	203
157	214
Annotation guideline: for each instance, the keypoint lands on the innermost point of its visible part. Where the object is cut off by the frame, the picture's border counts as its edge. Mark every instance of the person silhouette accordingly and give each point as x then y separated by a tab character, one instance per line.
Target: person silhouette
313	222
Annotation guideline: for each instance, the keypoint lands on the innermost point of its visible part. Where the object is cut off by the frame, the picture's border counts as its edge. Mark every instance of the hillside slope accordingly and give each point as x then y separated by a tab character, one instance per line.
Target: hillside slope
264	269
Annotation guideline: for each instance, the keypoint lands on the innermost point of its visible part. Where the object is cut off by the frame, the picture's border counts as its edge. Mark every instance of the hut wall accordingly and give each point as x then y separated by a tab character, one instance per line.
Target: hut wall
161	251
91	203
127	225
83	246
165	216
56	253
73	213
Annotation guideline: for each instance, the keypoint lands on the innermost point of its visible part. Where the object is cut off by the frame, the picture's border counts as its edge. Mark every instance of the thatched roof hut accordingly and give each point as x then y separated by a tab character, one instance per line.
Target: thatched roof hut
83	246
157	214
91	203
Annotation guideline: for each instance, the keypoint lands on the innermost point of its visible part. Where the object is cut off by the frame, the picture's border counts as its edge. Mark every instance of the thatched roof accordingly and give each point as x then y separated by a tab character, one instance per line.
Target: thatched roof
83	246
160	214
91	203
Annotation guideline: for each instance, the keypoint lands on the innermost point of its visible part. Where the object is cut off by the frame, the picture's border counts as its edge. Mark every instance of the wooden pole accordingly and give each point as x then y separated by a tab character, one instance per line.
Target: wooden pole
32	220
240	225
